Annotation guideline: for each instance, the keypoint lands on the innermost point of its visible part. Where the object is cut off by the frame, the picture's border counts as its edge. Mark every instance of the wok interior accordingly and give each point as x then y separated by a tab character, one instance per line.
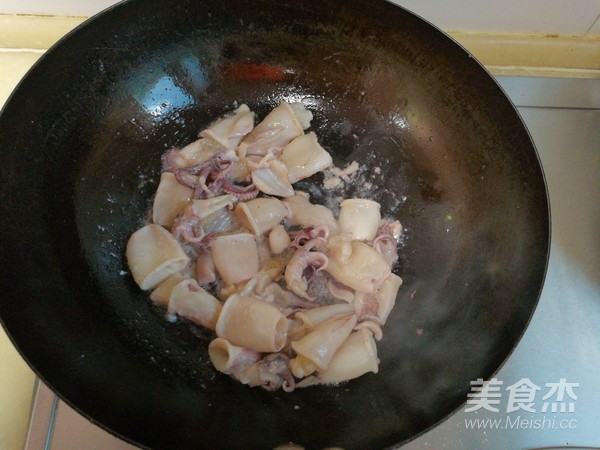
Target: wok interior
387	90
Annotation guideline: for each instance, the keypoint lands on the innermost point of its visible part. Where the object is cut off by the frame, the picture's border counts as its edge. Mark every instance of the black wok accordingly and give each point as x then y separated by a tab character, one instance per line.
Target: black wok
81	139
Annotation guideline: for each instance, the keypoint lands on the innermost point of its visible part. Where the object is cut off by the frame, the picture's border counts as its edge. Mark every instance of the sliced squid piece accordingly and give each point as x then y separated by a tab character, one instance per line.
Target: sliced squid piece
392	228
339	291
274	267
285	301
187	228
261	214
301	260
271	373
366	306
153	255
229	131
231	359
386	296
246	365
255	285
200	151
205	267
365	270
356	357
252	323
276	130
272	179
235	257
303	115
264	286
222	220
373	327
315	350
304	157
279	239
360	218
305	214
387	246
161	294
339	247
192	154
170	200
264	253
377	306
301	237
310	318
189	300
296	331
241	171
205	207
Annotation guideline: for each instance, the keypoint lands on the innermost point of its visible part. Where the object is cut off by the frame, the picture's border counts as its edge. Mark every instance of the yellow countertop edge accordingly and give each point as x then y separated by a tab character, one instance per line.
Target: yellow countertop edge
557	55
34	32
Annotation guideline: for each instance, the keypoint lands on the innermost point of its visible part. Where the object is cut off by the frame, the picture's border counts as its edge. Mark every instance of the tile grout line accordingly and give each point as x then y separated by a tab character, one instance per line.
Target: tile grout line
51	424
592	25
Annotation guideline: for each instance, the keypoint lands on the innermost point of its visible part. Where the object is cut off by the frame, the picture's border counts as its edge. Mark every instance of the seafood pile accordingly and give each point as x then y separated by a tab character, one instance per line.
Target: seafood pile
295	295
